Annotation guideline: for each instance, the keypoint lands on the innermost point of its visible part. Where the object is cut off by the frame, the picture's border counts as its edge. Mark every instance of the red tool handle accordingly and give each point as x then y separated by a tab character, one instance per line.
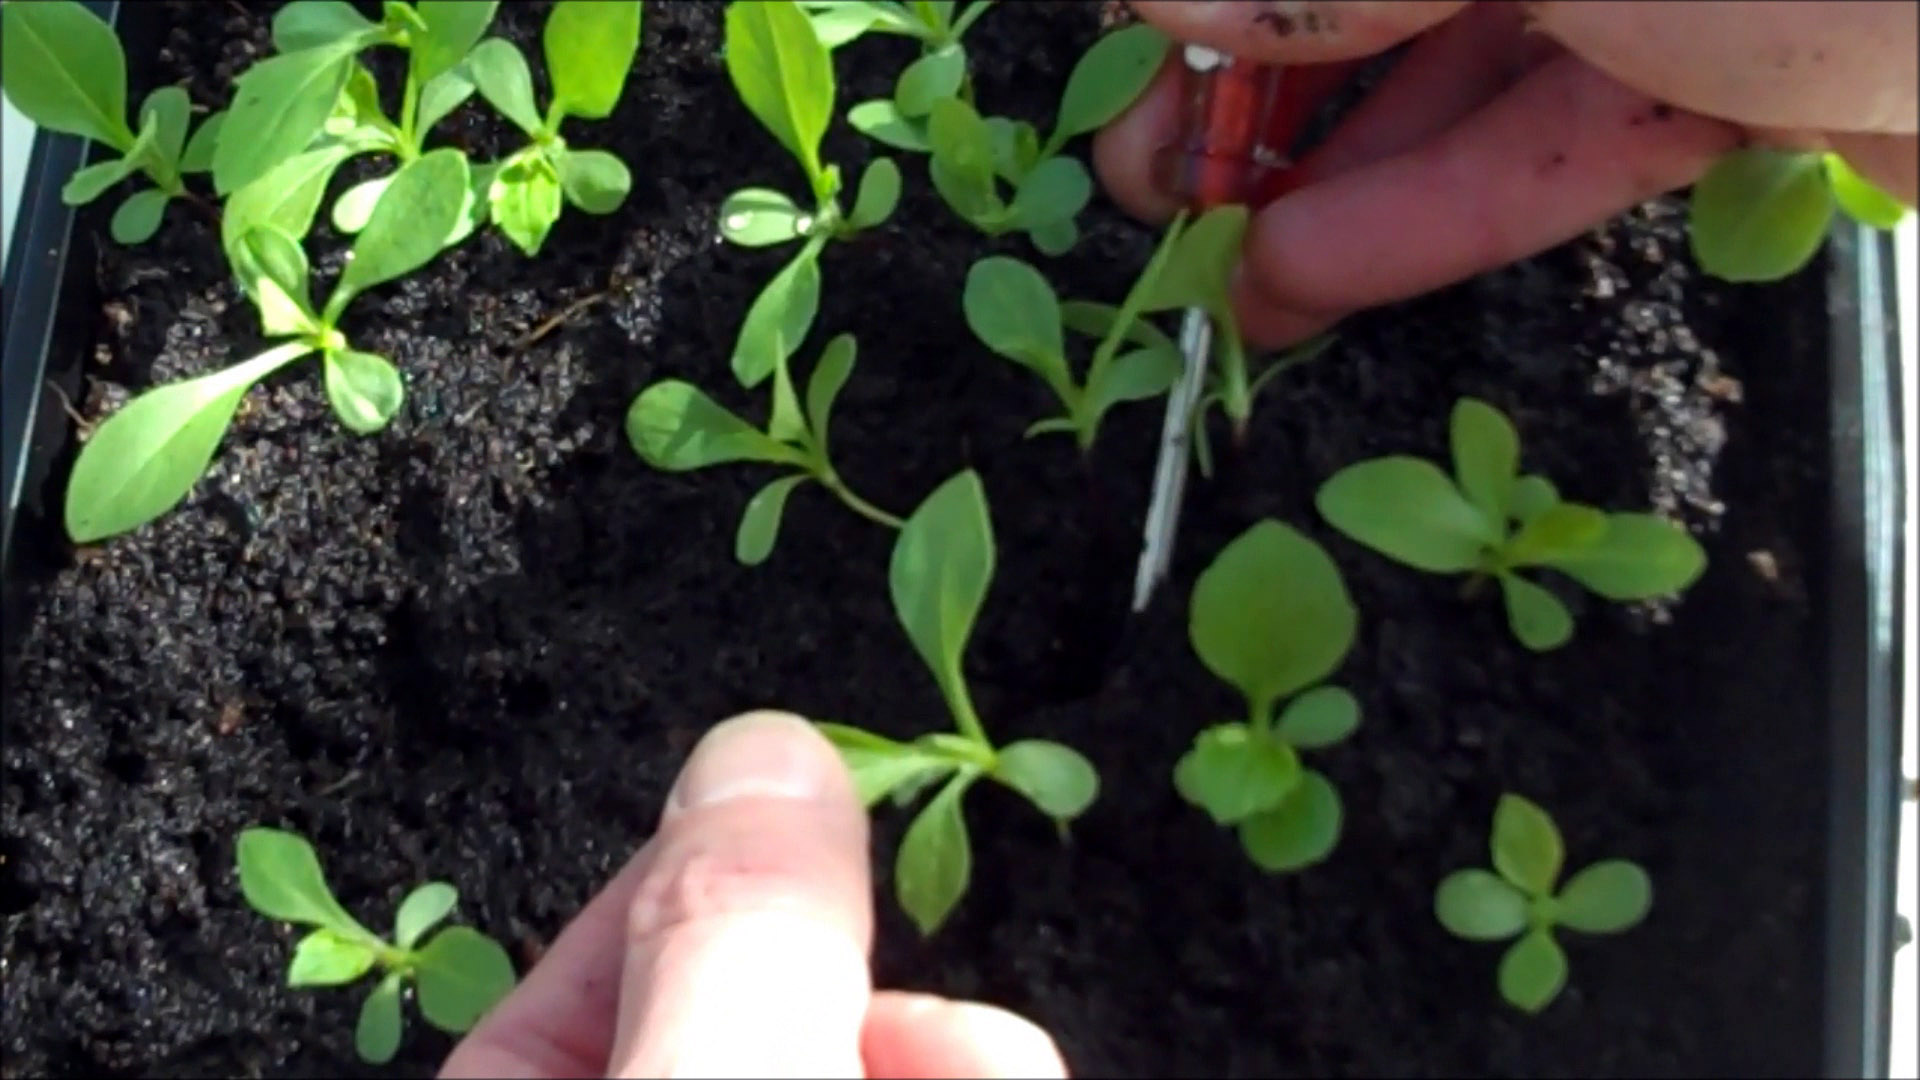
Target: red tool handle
1238	120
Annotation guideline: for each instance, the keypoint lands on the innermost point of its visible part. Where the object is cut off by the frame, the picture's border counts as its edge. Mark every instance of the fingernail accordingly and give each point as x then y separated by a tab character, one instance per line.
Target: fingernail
766	754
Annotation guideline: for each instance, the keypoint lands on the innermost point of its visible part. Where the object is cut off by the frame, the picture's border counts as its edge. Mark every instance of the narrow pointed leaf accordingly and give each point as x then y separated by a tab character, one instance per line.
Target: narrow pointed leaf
1408	510
145	458
675	426
1606	898
169	112
1271	614
1526	846
760	522
823	388
1478	906
1058	780
778	320
1533	972
1133	376
1862	199
286	198
93	181
783	75
461	974
376	1037
63	68
1319	718
589	46
935	861
1300	832
421	911
881	766
325	958
1538	618
941	567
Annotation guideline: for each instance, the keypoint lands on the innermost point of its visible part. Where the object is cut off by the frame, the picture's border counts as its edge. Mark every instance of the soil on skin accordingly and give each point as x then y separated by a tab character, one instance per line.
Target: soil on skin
478	645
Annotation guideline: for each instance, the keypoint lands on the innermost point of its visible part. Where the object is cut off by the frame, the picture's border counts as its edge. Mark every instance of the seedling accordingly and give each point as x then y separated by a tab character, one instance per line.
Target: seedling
64	69
1489	521
1759	215
459	974
145	458
1106	79
1013	311
942	566
589	47
784	75
675	427
1271	617
938	24
1518	900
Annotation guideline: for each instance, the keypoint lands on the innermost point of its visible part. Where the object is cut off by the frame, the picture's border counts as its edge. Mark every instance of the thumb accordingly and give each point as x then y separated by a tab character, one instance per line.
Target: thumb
1296	31
748	934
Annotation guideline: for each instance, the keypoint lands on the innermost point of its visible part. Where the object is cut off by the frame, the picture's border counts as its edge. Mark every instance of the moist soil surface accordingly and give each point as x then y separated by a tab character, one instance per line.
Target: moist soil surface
478	645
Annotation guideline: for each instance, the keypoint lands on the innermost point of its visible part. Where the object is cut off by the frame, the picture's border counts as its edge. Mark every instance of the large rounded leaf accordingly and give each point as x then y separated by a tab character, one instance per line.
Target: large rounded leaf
1606	898
462	973
1271	614
1408	510
1478	906
1758	215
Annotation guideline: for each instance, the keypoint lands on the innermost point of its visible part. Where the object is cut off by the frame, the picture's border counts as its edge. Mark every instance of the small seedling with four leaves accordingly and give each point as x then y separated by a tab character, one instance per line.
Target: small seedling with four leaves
1760	214
146	457
676	427
1272	618
589	46
784	76
458	973
65	70
1487	520
942	566
1518	899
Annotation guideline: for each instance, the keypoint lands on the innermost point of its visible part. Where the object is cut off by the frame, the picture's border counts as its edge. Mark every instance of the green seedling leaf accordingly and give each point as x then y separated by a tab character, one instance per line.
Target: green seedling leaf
1639	556
778	320
594	180
675	427
837	22
279	105
1108	78
1538	618
1132	376
310	24
1486	458
786	421
1861	199
169	112
324	958
1606	898
280	877
1759	215
1319	718
1054	238
962	166
501	74
525	200
1408	510
461	974
881	121
829	376
272	270
1233	772
1526	846
1056	779
1016	147
357	112
1478	906
878	194
1096	320
421	911
409	226
590	46
286	198
1533	971
760	523
376	1037
762	217
354	208
941	566
138	217
364	389
91	182
439	97
933	76
145	458
1054	191
783	75
880	765
1200	262
1271	615
930	873
198	156
1560	530
1013	311
1533	496
63	68
453	28
1299	832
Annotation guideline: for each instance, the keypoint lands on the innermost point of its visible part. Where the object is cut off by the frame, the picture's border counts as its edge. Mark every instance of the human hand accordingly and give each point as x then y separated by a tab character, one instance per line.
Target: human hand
735	943
1508	128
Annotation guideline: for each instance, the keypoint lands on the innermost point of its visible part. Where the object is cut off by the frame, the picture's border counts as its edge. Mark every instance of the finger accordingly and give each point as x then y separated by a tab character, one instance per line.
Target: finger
922	1037
1840	65
749	932
1296	31
1123	150
1447	74
1565	148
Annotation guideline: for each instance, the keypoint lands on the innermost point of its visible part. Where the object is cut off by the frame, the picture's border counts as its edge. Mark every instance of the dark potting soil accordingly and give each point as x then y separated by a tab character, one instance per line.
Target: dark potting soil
478	645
